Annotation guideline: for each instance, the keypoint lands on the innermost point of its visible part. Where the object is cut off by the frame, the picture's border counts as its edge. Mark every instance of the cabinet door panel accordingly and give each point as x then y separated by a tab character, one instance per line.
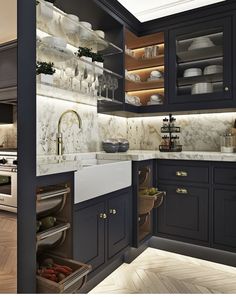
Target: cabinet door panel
199	46
89	235
184	214
225	217
119	223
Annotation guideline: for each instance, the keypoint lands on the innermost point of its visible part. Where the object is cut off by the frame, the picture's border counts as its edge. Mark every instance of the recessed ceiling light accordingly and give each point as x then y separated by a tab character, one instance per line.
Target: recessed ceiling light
146	10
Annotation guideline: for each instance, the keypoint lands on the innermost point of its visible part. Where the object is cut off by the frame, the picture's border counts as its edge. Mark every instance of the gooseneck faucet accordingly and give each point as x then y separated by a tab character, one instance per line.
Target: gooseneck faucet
59	133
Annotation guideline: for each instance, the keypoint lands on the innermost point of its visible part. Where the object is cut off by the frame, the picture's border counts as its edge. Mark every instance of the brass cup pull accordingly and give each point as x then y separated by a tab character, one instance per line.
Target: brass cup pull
113	211
181	191
103	216
181	173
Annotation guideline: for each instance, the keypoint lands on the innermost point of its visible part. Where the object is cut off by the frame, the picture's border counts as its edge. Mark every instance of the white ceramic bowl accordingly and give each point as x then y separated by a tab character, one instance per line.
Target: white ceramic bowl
69	23
201	42
156	74
202	88
55	41
100	33
213	69
86	25
192	72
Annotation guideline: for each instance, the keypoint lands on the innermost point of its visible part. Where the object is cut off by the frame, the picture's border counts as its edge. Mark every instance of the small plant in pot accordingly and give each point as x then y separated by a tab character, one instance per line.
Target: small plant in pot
45	72
98	60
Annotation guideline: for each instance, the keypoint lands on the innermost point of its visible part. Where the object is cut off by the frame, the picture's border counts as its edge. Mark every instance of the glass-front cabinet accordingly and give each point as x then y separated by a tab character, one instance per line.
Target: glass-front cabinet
200	59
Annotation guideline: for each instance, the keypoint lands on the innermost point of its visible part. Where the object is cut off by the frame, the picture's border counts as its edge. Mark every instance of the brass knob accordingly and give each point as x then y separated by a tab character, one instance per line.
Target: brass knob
181	173
226	89
181	191
103	216
113	211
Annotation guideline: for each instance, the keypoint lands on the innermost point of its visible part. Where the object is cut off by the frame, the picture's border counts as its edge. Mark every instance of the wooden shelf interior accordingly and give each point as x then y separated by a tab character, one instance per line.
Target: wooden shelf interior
145	95
131	86
143	66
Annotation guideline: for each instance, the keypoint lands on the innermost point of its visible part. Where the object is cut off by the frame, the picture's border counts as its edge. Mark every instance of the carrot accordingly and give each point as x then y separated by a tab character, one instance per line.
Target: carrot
49	271
62	270
63	266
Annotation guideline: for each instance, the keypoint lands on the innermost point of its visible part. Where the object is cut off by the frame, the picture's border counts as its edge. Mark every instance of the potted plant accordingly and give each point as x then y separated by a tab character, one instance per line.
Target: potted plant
85	54
45	72
98	60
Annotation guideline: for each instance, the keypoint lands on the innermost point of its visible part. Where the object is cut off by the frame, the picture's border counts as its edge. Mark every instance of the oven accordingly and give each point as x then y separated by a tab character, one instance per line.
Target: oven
8	191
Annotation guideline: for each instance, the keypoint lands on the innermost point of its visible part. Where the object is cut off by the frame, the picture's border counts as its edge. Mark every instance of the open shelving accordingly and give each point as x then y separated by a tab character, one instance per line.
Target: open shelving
136	62
53	21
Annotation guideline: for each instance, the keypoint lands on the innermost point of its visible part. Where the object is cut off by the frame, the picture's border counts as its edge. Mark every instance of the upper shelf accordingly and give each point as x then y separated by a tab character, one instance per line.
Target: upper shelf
200	54
131	86
55	22
133	63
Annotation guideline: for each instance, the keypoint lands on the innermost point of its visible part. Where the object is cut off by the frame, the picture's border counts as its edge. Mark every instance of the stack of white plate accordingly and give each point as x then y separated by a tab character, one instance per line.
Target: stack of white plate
201	42
155	100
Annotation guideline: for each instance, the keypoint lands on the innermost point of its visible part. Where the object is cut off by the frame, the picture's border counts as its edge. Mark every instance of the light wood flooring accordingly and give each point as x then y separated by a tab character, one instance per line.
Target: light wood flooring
156	271
8	253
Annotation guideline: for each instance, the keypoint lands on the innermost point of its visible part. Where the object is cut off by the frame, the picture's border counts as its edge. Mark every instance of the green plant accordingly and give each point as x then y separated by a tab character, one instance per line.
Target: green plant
84	52
98	57
87	52
45	68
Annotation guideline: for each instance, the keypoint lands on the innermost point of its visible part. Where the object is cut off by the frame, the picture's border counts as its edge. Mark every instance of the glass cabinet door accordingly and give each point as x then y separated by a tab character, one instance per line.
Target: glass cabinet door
202	60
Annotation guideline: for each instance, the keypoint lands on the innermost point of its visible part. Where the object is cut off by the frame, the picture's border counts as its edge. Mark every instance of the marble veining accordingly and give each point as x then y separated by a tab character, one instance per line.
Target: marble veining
198	132
8	133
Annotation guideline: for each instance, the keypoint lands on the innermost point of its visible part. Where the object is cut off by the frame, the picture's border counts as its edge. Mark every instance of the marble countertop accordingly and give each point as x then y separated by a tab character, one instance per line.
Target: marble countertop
47	165
185	155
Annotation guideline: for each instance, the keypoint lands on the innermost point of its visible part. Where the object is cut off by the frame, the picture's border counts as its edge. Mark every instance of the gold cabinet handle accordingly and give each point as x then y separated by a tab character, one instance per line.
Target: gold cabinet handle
181	191
113	211
181	173
103	216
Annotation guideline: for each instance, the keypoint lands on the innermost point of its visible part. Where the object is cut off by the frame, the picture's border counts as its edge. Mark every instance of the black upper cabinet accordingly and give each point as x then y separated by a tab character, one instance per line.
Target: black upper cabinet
200	57
8	72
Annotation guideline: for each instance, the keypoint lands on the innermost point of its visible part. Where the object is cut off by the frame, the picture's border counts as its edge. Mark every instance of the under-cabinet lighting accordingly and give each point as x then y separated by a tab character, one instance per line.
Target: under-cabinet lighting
160	90
145	70
142	49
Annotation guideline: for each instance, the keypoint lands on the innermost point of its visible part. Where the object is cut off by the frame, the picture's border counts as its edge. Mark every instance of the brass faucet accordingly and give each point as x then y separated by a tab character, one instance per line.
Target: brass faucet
59	133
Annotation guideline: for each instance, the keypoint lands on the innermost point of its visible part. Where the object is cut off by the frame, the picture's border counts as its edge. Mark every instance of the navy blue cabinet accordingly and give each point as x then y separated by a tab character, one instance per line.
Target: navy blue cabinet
102	228
207	47
225	217
89	230
184	212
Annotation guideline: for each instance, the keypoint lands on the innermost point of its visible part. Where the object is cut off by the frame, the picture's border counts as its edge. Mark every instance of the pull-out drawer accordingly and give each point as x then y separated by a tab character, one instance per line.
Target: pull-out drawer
184	212
225	175
70	284
182	172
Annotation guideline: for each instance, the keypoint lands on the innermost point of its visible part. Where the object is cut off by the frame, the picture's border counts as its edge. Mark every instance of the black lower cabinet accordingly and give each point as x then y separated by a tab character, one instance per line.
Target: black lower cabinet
89	234
184	212
102	228
225	217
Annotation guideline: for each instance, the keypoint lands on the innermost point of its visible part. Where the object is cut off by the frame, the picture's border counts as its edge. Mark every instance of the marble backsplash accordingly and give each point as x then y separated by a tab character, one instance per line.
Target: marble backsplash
8	133
199	132
87	139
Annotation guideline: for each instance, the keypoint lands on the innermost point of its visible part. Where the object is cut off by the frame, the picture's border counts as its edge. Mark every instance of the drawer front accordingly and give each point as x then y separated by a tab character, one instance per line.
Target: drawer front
225	176
183	173
184	212
225	217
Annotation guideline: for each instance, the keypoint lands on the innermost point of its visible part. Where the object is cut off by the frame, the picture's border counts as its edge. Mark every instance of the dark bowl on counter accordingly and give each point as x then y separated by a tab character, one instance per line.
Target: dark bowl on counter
123	145
110	145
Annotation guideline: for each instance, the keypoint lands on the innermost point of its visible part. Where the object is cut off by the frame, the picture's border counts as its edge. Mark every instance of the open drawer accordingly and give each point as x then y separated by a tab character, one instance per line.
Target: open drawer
71	284
51	200
148	202
52	237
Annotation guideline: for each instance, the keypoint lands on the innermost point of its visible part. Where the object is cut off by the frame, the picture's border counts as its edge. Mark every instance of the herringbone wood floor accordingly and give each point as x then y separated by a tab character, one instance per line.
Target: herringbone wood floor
8	253
156	271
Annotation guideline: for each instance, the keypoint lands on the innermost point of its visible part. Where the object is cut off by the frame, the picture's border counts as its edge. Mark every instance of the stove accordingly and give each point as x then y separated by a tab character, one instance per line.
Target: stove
8	180
8	161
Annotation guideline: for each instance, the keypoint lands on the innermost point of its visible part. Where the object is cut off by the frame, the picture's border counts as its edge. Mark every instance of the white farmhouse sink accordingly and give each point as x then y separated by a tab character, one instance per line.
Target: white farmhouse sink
104	177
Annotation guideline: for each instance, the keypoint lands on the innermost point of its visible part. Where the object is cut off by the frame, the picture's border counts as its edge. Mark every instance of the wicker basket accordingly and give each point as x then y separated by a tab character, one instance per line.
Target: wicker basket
148	202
